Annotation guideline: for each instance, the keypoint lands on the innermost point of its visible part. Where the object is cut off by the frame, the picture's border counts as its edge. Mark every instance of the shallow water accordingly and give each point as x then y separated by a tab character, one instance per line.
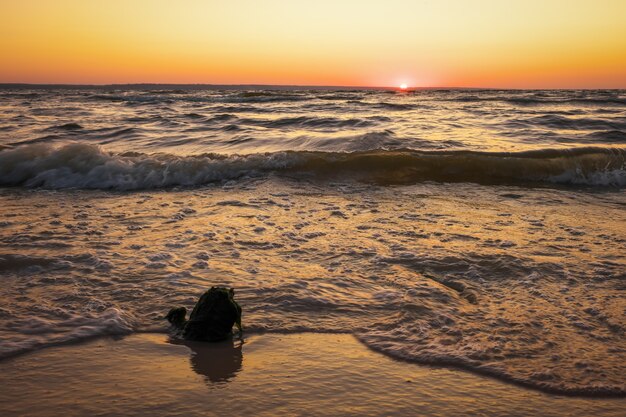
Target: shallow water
461	254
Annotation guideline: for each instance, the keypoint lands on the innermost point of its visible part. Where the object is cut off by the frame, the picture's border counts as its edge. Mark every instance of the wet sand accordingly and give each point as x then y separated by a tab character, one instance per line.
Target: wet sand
271	374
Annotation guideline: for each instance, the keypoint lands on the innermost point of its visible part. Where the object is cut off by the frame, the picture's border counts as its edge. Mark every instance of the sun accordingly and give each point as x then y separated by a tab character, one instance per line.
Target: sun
403	86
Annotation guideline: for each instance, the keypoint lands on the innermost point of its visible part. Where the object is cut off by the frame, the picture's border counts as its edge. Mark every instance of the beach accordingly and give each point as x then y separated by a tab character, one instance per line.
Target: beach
428	253
290	375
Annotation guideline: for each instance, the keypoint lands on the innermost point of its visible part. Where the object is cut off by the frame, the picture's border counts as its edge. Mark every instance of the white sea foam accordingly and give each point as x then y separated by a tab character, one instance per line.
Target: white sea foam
87	166
80	165
41	333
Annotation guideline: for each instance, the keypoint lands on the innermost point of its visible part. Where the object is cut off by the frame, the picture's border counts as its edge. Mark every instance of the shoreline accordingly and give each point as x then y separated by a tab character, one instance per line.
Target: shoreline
297	374
456	366
503	378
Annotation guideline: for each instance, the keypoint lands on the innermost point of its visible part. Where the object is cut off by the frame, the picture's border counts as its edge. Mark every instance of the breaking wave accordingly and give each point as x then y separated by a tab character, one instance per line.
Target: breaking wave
91	167
42	333
538	100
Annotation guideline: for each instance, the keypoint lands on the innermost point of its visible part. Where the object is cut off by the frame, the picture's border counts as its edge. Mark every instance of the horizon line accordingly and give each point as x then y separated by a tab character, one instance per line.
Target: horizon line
281	86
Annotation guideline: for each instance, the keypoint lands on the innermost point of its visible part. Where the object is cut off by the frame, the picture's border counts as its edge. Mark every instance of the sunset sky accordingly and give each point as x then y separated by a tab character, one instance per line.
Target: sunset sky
464	43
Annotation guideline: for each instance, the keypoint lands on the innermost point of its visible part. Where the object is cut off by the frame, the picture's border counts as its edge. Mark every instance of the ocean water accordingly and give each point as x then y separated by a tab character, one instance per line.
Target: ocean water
484	230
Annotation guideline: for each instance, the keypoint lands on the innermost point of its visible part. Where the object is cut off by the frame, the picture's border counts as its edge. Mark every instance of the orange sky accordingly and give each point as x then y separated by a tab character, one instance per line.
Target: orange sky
464	43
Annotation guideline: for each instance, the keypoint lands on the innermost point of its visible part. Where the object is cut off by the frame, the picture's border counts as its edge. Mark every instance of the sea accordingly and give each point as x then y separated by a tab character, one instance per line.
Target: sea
476	229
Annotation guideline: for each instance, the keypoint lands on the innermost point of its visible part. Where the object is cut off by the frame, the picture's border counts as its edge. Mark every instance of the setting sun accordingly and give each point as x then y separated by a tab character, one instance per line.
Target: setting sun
530	44
403	86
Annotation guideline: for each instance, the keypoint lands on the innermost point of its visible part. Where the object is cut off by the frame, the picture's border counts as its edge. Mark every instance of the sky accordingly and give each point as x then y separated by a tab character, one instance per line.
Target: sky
423	43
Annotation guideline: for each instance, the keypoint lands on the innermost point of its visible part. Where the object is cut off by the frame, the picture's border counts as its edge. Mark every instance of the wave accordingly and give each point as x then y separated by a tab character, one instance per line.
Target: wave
614	136
310	122
265	97
540	100
384	105
580	101
66	126
44	333
316	122
91	167
561	122
138	98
